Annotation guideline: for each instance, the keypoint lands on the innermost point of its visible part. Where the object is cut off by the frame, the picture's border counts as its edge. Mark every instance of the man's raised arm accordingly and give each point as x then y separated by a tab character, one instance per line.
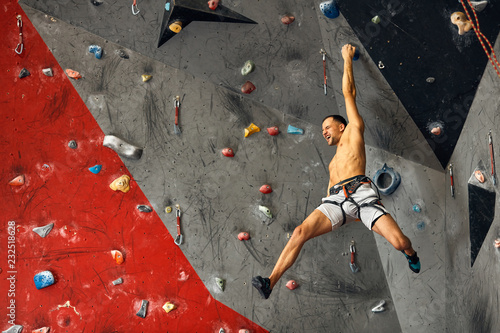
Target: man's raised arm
349	88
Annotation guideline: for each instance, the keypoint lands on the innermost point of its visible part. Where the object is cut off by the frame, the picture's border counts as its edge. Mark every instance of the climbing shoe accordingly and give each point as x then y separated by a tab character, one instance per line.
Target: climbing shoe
413	262
263	285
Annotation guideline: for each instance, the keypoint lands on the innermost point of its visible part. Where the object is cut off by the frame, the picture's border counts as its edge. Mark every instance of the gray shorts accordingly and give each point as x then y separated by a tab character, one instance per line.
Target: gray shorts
363	195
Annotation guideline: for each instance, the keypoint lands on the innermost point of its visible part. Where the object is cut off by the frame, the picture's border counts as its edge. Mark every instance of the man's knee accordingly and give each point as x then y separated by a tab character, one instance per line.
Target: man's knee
299	234
402	243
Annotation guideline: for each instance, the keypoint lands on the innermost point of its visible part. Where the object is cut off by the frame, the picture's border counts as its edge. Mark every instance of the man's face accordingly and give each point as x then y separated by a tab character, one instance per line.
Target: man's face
332	131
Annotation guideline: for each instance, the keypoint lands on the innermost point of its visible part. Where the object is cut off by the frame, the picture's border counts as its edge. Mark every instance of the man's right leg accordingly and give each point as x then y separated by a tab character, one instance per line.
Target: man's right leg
314	225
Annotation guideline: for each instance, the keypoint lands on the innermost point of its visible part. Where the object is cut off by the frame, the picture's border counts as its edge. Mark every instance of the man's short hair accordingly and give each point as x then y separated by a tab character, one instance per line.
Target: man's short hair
336	117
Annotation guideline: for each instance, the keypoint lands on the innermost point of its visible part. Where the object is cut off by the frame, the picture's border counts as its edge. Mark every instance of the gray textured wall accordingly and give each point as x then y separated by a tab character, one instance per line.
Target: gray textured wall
219	196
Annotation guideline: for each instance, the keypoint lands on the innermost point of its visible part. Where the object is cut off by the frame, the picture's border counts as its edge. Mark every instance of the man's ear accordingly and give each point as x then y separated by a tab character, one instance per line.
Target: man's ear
342	127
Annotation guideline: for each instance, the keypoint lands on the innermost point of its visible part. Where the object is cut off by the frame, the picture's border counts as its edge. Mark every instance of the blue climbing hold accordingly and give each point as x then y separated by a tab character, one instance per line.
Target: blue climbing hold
44	279
97	50
330	9
356	54
96	169
384	176
167	6
417	208
294	130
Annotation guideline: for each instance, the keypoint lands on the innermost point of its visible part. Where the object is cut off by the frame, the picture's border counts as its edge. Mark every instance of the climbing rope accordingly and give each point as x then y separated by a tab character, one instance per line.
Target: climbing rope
20	46
480	35
135	10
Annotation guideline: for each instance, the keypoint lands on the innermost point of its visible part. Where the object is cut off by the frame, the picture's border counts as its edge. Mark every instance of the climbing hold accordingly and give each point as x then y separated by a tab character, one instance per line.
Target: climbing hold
95	169
122	148
248	67
146	77
228	152
122	54
43	231
167	6
73	74
384	176
243	236
379	307
247	87
420	225
117	255
436	130
176	27
43	279
117	281
376	19
292	285
430	79
356	54
381	65
168	307
478	5
24	72
460	20
222	330
72	144
18	181
294	130
121	184
266	189
97	50
96	2
266	211
220	283
497	243
47	71
143	310
212	4
273	130
287	19
251	130
41	330
144	208
243	331
330	9
416	208
479	176
14	329
168	210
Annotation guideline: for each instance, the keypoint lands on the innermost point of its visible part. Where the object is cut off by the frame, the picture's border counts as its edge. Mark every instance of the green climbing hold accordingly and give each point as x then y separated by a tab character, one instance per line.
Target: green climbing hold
248	67
220	283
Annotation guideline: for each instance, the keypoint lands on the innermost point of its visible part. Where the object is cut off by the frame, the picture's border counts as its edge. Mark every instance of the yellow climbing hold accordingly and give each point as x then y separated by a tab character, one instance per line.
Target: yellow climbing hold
176	27
168	307
460	20
146	77
121	184
251	130
168	210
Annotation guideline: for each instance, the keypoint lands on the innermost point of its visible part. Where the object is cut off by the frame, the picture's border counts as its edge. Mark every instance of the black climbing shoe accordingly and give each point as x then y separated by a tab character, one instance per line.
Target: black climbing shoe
262	285
413	262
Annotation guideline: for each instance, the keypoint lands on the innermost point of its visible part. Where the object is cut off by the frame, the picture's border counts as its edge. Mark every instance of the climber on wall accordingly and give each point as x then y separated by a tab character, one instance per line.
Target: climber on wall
350	196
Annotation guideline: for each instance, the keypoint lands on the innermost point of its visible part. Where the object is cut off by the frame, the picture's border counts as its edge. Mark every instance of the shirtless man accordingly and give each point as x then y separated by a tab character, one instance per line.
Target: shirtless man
350	196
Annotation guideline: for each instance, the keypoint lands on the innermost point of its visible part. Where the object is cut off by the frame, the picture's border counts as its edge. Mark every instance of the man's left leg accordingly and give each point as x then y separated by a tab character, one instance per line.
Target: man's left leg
386	227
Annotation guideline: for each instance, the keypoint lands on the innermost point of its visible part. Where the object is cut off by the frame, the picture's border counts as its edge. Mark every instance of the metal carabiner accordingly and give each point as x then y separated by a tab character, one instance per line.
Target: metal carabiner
178	240
20	47
135	10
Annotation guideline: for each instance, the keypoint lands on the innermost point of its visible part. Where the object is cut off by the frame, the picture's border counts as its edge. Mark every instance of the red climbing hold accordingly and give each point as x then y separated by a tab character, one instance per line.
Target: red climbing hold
117	255
292	284
212	4
243	236
273	130
287	19
266	189
18	181
247	88
228	152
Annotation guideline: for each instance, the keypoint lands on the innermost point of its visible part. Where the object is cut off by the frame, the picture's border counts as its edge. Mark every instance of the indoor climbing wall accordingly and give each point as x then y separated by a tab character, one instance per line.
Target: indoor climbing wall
226	158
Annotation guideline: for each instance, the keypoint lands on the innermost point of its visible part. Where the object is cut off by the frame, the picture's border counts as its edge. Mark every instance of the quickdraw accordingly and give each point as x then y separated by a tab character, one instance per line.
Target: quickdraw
135	10
492	158
352	264
323	52
452	187
20	47
178	238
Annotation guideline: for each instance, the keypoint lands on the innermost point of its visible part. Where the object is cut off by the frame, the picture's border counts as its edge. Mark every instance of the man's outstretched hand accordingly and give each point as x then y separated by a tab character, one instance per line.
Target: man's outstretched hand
348	52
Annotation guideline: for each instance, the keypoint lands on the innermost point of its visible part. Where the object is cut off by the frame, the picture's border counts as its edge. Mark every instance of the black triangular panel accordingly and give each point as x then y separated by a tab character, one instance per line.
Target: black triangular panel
187	11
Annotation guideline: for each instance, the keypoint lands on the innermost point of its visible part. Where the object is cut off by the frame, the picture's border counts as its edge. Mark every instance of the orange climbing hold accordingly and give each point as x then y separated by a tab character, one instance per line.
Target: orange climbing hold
287	19
266	189
117	255
292	285
73	74
436	131
460	20
479	176
251	130
18	181
212	4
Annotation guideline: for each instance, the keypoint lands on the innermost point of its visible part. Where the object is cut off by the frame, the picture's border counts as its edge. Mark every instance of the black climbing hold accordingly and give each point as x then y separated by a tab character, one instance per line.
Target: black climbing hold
24	72
144	208
72	144
96	2
122	54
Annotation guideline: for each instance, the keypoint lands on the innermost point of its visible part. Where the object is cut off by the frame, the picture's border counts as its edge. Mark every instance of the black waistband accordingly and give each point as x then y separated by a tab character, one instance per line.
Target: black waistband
349	182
